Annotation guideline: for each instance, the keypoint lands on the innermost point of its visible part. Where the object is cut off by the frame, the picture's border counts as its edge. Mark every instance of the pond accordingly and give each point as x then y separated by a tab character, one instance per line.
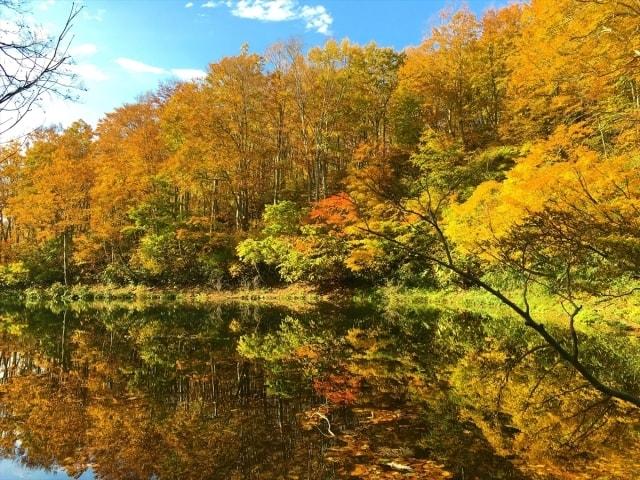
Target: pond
251	391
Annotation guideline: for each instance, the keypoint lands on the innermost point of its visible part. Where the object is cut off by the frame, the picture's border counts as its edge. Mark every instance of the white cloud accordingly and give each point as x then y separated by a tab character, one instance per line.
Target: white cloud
83	50
267	10
98	16
316	17
44	5
88	71
188	74
139	67
52	111
184	74
188	5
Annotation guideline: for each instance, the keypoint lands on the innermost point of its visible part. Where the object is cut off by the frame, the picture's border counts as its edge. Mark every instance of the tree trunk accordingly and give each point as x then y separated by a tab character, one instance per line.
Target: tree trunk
64	257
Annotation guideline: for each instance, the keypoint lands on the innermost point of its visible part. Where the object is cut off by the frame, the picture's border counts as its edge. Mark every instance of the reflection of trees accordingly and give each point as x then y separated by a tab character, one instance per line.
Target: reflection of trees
13	364
183	393
531	406
162	394
46	412
468	396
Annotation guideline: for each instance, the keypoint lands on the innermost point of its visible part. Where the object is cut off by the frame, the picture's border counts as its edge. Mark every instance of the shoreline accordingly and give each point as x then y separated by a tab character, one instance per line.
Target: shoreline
294	296
305	297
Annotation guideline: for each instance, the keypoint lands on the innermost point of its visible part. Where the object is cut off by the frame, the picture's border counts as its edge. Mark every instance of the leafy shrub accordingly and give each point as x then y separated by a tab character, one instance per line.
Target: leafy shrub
116	274
14	275
282	218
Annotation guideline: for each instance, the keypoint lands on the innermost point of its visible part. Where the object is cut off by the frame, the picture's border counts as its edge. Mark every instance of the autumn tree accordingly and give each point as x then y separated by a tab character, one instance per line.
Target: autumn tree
11	159
52	197
459	74
576	61
127	155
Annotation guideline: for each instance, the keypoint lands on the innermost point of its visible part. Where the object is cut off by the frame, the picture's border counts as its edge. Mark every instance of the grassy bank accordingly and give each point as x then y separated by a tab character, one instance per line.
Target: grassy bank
619	315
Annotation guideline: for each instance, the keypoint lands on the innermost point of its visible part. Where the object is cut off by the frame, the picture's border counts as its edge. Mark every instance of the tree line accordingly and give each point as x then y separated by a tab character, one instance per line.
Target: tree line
503	140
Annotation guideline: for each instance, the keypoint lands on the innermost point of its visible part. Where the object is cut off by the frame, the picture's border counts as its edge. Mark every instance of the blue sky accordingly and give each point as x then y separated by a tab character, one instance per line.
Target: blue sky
123	48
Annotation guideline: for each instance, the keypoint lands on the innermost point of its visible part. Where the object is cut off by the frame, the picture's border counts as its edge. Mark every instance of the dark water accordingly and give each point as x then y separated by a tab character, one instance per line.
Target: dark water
118	391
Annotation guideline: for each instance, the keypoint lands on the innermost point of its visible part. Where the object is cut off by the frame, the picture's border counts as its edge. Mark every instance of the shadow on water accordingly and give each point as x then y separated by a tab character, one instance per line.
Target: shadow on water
244	391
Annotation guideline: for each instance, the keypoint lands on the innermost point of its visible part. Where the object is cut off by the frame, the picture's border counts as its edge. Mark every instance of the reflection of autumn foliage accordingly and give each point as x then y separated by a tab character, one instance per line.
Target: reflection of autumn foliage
338	389
546	416
318	396
368	450
50	419
156	402
308	352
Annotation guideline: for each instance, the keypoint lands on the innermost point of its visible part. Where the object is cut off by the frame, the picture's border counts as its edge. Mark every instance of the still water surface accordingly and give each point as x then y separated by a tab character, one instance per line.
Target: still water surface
130	391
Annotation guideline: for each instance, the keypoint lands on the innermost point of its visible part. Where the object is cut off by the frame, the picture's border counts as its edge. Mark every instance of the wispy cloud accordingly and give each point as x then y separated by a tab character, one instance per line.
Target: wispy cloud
83	50
188	5
54	111
98	16
46	4
138	67
188	74
184	74
316	17
88	71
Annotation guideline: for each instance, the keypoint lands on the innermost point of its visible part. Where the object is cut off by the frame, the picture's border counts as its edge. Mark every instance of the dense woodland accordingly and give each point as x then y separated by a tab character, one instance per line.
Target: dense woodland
505	147
497	160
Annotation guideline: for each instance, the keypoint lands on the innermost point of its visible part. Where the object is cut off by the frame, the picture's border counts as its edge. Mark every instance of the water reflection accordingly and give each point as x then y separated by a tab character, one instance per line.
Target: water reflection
13	469
249	391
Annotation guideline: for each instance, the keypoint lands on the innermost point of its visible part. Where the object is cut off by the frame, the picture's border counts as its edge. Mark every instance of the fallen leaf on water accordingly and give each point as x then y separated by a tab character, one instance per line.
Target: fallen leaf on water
359	470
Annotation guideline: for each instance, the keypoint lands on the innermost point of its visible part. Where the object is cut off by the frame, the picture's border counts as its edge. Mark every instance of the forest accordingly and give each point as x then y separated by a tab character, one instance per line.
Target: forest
508	143
501	153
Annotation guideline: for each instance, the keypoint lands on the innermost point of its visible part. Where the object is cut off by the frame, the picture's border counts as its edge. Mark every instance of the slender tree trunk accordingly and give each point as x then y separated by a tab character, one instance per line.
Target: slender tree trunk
62	340
524	314
64	256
